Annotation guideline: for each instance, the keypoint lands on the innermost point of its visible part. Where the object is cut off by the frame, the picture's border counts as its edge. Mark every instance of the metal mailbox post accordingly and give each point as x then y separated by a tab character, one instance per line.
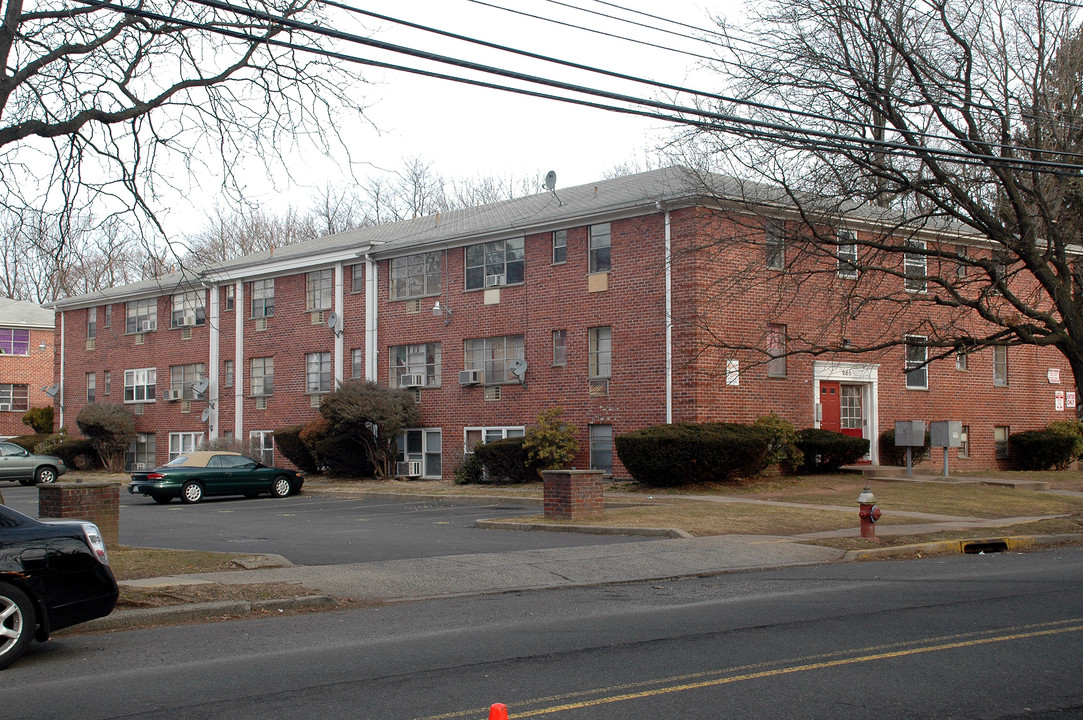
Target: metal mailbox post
909	434
946	434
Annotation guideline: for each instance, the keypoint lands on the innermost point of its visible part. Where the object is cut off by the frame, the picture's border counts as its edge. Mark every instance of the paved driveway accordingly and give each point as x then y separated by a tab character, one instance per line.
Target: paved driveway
312	530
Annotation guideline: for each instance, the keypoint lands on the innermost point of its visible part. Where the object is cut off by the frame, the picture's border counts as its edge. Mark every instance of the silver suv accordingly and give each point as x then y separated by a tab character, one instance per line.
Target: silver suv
16	463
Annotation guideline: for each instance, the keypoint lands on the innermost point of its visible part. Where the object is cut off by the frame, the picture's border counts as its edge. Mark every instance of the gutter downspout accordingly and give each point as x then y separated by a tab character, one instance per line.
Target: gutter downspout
339	371
213	353
63	317
238	362
371	318
669	318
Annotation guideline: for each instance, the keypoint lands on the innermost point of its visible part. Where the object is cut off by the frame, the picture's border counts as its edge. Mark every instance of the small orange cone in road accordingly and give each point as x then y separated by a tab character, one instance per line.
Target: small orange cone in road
498	711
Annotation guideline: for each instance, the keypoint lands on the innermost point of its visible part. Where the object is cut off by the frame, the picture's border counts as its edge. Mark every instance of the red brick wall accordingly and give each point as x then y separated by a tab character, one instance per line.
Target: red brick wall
35	371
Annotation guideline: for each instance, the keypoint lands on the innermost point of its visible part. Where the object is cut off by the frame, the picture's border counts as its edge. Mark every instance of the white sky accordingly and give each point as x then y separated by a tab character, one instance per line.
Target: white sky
470	132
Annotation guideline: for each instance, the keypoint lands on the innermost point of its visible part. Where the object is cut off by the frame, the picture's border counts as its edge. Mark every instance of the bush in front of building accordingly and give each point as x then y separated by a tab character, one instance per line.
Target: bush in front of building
39	419
682	453
826	451
892	454
371	415
76	454
288	442
782	450
29	442
1073	429
111	428
551	442
1041	449
469	470
505	461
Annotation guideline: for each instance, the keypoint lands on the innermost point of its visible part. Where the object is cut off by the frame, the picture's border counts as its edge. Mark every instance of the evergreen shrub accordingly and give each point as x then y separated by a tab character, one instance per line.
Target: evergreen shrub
667	455
825	450
1041	449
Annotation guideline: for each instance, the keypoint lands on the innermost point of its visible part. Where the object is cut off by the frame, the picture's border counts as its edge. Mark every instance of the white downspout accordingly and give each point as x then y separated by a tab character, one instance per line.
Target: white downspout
238	363
213	361
371	318
340	342
63	336
669	319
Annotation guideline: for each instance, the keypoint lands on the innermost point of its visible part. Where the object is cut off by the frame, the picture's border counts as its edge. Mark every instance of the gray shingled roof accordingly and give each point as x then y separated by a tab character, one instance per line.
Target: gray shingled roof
17	313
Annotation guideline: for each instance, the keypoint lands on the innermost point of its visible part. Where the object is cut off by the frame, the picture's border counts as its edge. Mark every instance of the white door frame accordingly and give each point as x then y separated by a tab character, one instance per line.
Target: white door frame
867	375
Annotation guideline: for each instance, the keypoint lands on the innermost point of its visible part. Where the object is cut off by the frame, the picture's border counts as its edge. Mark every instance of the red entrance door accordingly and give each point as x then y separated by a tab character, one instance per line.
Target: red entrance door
831	418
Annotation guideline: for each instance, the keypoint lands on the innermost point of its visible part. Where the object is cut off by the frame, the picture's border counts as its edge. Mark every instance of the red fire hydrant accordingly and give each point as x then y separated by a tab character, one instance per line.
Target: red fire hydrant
868	513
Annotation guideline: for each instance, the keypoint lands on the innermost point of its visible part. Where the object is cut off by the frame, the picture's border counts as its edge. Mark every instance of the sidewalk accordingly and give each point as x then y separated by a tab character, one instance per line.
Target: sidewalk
675	555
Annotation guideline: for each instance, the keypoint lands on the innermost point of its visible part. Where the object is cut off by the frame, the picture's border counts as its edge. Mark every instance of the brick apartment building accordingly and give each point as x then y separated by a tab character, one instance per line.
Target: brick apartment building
613	301
26	362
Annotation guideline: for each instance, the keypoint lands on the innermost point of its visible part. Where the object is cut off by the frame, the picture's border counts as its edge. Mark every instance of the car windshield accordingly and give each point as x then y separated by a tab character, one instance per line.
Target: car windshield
179	460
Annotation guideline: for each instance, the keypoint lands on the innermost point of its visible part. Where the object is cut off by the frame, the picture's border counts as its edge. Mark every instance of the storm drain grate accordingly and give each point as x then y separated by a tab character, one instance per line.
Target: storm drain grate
985	546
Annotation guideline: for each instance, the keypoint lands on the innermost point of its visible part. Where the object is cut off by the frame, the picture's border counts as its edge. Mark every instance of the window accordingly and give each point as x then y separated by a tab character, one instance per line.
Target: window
91	387
109	316
318	287
964	442
914	267
262	443
847	254
183	377
184	442
1001	433
139	385
560	247
422	446
14	398
1000	365
231	297
560	347
600	352
601	448
473	436
776	245
91	323
598	248
961	262
492	356
107	383
263	298
850	407
416	275
14	342
142	316
962	359
500	262
357	278
227	373
140	455
263	376
318	372
776	350
917	355
357	363
422	359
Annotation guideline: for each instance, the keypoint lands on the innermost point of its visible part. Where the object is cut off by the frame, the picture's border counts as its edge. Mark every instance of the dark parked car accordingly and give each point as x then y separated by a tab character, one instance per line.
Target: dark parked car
195	475
17	463
53	574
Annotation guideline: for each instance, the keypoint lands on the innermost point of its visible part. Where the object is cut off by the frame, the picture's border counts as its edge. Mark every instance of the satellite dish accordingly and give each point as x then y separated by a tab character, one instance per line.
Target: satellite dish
551	180
332	320
517	368
52	390
206	414
200	387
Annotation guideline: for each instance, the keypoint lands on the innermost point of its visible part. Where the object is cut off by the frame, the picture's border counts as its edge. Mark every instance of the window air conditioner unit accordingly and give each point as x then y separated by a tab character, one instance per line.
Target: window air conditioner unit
470	377
173	395
188	321
411	468
149	325
139	466
410	380
494	280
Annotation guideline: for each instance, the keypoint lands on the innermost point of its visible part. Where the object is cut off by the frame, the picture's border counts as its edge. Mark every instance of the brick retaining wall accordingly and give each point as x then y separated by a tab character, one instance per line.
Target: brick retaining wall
572	494
98	502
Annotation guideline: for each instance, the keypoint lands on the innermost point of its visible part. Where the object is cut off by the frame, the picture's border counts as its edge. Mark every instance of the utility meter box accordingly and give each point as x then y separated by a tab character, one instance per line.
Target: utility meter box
948	433
910	433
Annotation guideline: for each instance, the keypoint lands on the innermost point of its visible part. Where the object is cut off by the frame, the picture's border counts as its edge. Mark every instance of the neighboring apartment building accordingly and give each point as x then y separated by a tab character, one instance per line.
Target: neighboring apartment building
26	362
610	300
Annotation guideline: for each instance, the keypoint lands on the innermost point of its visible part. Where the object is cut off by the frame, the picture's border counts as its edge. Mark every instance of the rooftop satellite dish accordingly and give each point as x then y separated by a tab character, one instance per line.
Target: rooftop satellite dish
200	387
206	414
52	390
551	180
517	368
332	320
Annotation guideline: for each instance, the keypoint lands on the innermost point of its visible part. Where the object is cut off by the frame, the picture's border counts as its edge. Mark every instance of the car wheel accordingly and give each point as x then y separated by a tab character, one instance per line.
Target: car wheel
192	492
161	499
45	476
280	487
17	623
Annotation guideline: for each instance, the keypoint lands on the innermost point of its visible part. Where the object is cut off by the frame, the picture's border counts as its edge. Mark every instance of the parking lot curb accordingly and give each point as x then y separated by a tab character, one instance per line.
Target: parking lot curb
582	529
965	546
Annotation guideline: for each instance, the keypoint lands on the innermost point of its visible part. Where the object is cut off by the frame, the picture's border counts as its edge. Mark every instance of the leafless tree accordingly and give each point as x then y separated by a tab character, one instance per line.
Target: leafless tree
945	136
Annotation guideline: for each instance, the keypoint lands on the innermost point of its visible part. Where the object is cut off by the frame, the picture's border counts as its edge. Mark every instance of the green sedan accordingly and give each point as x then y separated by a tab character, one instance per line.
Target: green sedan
196	475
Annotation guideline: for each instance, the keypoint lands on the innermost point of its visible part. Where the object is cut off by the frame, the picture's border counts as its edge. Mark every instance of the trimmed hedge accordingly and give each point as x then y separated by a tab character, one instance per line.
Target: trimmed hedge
666	455
1041	449
29	442
825	450
288	442
892	454
344	454
505	460
78	454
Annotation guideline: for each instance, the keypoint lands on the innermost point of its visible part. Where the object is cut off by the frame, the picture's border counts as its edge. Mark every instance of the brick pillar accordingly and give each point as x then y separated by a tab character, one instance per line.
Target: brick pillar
572	494
98	502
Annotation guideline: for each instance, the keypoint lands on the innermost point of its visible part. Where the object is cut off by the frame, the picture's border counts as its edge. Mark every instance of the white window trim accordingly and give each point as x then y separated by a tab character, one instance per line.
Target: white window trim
924	365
